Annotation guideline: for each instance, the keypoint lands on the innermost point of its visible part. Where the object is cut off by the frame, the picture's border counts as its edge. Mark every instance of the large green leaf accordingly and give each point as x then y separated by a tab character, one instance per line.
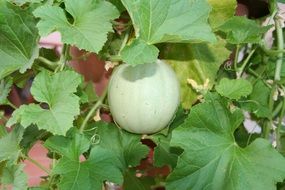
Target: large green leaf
13	175
157	21
195	61
91	22
90	174
18	39
9	145
234	89
222	10
57	91
213	160
242	30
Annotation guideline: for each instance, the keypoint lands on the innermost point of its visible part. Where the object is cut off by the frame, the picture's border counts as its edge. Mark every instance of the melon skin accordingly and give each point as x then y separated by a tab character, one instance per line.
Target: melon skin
143	99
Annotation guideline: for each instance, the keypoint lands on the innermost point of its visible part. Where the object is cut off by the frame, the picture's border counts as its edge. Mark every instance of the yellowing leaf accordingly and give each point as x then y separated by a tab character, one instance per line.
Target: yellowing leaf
222	10
196	61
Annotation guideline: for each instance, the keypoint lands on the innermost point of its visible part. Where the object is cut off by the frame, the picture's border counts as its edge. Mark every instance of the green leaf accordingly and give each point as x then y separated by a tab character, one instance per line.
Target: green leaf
257	102
242	30
118	4
138	52
5	88
112	46
163	153
222	10
18	39
15	176
212	158
89	174
131	182
234	89
9	145
31	136
90	27
195	61
68	147
3	131
57	91
158	21
281	146
127	147
243	138
22	2
87	93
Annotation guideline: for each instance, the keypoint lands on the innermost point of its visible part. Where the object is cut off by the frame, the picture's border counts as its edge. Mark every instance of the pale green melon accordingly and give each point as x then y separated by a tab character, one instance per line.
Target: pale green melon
144	98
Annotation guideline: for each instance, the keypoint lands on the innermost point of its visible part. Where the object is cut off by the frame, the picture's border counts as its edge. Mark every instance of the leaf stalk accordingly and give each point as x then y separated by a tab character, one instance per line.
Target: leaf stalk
98	104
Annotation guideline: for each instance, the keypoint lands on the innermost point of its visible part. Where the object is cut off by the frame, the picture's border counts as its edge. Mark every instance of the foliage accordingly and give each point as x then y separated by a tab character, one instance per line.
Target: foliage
229	76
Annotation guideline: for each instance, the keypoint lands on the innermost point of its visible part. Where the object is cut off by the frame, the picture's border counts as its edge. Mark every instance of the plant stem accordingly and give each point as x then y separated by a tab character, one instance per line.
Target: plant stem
277	76
280	46
126	38
47	62
256	75
37	164
12	105
245	62
4	118
115	58
93	110
236	57
63	58
277	132
277	109
272	52
105	106
268	125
